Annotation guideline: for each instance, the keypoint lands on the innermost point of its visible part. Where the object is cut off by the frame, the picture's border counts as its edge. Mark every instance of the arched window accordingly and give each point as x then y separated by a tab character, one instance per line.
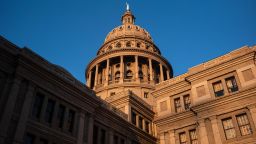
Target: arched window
128	64
138	45
128	44
129	74
141	75
110	47
117	76
117	65
118	45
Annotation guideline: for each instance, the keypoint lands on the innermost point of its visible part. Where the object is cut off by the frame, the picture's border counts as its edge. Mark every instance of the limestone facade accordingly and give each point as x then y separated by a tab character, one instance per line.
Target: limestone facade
130	96
42	103
213	103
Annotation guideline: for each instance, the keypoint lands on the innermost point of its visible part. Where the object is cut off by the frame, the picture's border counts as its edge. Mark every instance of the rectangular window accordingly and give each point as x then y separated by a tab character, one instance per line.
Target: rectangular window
49	111
145	94
37	106
43	141
229	128
140	122
183	138
71	120
61	116
147	126
231	84
177	105
248	75
122	141
193	136
102	136
218	89
95	135
29	139
134	118
112	93
244	124
115	139
187	102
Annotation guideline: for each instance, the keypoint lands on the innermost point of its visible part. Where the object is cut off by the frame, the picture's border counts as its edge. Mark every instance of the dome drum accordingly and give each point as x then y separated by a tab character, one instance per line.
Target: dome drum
127	69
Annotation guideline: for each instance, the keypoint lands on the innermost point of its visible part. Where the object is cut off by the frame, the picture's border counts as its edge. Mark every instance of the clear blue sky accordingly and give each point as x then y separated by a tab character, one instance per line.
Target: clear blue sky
188	32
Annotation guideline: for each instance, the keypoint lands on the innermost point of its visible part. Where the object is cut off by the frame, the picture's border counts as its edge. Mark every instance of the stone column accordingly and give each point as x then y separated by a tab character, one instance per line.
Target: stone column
8	110
215	129
150	128
128	141
150	70
143	124
107	73
172	136
96	75
121	69
89	79
111	135
137	120
168	74
252	109
161	72
90	130
203	132
136	69
80	131
21	126
162	139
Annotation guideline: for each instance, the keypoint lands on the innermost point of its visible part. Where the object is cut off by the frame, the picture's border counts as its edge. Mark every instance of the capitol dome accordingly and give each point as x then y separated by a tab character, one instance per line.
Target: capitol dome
139	37
127	60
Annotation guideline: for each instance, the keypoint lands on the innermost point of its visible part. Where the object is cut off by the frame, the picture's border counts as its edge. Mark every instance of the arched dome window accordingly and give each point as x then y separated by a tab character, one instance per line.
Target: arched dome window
128	44
129	74
110	47
138	45
128	64
117	65
141	75
117	76
118	45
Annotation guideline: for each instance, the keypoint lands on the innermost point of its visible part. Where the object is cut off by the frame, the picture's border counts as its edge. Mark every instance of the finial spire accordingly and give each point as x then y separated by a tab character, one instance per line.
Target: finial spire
127	7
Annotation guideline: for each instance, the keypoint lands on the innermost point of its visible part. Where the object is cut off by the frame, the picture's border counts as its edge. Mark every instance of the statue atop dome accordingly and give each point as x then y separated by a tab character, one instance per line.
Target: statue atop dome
127	7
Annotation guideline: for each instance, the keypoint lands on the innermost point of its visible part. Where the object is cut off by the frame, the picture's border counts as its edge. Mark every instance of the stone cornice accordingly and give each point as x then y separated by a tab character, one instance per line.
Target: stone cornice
231	63
117	85
225	100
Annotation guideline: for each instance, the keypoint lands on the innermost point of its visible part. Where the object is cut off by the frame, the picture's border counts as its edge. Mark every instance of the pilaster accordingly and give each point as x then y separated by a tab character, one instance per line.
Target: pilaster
96	75
8	110
90	129
21	126
136	68
203	132
161	72
172	136
121	69
80	131
150	70
107	73
215	129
